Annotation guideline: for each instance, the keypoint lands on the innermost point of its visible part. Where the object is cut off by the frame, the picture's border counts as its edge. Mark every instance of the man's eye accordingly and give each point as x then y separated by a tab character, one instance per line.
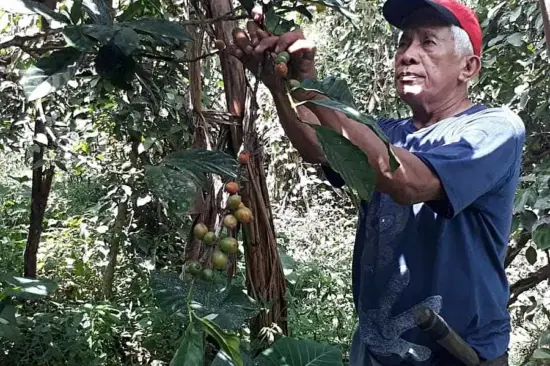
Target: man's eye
429	42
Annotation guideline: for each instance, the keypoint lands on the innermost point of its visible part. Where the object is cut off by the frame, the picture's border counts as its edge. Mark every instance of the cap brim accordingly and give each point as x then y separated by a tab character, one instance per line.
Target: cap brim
395	11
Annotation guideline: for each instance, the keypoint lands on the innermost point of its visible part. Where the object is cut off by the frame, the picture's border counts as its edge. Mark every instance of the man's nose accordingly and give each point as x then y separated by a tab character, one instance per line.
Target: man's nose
410	56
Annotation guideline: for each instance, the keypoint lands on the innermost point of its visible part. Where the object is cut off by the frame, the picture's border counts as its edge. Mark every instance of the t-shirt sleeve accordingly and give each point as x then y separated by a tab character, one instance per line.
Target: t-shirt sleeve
334	178
479	158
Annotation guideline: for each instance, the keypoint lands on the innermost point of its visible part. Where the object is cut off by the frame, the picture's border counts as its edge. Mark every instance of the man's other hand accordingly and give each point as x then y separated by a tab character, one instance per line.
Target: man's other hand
253	47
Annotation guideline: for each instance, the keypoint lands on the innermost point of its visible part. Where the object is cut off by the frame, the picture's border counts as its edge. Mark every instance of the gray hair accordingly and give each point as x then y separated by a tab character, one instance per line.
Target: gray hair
463	44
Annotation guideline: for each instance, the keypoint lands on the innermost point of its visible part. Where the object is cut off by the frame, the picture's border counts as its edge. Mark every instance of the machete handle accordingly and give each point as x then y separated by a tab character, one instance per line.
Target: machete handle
438	330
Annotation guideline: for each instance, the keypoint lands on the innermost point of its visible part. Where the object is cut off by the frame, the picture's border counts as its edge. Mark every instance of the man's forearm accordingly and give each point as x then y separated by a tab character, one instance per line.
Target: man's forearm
302	137
412	182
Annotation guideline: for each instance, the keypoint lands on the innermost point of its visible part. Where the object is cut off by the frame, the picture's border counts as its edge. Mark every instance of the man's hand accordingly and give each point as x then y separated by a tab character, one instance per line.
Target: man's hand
259	47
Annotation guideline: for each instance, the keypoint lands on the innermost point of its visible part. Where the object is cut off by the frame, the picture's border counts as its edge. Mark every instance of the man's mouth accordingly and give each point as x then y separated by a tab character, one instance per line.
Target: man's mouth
408	76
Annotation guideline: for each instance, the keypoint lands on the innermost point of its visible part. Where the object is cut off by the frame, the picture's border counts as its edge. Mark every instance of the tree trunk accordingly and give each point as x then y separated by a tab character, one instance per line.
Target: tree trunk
265	279
204	209
117	239
41	186
545	11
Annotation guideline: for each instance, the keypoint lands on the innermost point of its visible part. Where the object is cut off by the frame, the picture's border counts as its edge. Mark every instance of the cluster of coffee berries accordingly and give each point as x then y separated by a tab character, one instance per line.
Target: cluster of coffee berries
224	244
281	61
195	269
281	68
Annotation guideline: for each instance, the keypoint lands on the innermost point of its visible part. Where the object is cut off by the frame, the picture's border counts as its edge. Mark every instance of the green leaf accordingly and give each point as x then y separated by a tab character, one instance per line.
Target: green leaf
75	37
229	307
361	118
76	11
171	293
173	187
543	198
515	224
531	255
541	354
515	39
333	87
294	352
228	342
248	5
276	24
544	339
191	349
541	234
27	288
101	33
528	219
348	160
127	40
50	73
302	9
234	310
8	323
132	11
198	162
336	5
32	7
98	11
160	29
524	198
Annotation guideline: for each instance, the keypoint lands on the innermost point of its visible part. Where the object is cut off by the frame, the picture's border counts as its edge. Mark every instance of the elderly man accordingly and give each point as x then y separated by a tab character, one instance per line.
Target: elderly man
435	232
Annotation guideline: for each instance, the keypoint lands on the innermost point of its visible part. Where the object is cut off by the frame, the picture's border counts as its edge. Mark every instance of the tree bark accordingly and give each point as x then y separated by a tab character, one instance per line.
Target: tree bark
265	278
117	239
545	11
514	250
41	186
528	283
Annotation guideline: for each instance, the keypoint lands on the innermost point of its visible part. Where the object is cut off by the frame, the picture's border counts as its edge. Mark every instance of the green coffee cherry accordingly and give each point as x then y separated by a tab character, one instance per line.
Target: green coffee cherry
282	57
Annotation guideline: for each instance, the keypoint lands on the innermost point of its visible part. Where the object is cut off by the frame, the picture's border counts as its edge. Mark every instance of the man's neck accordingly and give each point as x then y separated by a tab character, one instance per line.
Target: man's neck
423	117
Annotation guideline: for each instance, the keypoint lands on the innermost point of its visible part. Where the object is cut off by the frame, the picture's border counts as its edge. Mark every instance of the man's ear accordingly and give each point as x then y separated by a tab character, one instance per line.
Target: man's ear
470	68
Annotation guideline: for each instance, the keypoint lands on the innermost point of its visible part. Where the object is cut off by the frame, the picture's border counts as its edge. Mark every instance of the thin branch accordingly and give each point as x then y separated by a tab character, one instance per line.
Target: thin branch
527	283
173	59
513	251
19	41
222	18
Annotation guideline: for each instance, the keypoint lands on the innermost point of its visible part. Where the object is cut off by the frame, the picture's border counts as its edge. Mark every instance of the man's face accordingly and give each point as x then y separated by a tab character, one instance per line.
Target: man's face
426	64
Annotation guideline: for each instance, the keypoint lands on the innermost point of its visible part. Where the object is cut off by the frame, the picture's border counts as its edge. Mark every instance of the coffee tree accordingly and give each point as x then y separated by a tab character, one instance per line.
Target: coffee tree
99	86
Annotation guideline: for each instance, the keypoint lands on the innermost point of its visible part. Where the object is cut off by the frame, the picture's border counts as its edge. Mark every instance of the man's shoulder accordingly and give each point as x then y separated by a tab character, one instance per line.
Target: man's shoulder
496	119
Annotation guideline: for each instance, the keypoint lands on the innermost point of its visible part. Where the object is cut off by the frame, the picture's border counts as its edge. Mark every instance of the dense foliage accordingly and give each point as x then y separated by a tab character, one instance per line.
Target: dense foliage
101	167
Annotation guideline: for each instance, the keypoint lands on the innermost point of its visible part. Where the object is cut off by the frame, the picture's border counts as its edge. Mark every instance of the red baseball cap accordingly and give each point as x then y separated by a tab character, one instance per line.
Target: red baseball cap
395	12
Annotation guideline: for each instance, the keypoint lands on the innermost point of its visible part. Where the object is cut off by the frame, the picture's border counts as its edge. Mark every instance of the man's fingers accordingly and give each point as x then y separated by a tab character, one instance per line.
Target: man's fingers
287	39
262	34
241	40
265	44
235	51
252	28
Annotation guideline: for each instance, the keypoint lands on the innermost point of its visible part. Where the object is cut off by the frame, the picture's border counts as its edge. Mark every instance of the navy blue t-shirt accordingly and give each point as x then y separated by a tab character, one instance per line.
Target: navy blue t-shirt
447	255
